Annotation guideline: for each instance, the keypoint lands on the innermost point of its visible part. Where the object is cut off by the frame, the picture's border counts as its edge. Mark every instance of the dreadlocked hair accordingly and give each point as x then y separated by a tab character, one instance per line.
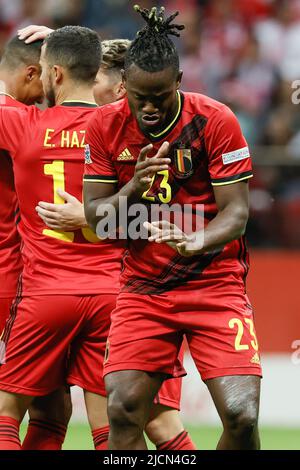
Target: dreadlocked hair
152	50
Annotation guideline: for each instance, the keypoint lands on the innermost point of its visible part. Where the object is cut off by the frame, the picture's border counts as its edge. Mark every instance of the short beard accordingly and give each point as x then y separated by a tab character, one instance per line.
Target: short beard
50	96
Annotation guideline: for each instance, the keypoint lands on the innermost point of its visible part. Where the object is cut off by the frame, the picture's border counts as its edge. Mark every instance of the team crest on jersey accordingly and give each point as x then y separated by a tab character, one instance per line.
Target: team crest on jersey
87	154
183	162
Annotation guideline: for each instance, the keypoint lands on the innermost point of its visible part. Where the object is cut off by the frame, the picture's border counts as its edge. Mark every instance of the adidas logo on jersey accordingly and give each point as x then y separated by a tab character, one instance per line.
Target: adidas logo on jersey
125	155
255	359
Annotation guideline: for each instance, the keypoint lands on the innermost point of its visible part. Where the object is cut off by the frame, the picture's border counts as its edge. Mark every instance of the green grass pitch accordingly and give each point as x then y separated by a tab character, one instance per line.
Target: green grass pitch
78	437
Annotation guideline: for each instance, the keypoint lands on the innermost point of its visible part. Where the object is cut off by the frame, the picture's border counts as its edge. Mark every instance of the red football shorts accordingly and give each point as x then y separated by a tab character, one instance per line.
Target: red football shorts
5	304
50	339
170	392
147	330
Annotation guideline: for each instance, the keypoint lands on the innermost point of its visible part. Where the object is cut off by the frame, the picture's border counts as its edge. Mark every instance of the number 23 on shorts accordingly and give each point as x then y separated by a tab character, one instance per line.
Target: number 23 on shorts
239	325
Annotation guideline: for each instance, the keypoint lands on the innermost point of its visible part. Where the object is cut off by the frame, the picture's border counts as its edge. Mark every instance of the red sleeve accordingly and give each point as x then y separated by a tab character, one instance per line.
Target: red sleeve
98	164
228	152
11	128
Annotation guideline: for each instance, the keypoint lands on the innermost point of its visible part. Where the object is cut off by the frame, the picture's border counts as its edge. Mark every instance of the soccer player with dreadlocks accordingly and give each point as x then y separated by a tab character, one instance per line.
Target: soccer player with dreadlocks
164	425
163	146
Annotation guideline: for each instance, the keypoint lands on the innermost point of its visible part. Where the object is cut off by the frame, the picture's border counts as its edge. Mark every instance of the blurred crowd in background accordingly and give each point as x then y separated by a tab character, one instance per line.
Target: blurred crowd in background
245	53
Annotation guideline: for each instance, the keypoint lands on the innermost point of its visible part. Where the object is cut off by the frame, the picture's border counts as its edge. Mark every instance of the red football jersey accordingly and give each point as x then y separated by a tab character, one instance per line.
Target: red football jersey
10	242
207	148
47	152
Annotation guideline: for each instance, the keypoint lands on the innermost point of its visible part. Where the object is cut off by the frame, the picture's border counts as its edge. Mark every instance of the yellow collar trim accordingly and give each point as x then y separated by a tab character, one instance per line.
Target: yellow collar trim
172	122
6	94
78	101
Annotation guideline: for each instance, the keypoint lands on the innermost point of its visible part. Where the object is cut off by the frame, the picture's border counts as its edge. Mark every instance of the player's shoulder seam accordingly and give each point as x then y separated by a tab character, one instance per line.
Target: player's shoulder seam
222	112
212	106
110	110
208	116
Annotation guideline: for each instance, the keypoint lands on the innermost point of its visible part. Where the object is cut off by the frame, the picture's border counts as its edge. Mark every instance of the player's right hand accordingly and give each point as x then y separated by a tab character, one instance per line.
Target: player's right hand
66	217
34	33
146	167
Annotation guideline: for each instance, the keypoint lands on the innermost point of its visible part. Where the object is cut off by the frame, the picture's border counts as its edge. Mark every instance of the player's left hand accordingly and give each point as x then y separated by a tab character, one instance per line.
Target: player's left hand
33	33
65	217
165	232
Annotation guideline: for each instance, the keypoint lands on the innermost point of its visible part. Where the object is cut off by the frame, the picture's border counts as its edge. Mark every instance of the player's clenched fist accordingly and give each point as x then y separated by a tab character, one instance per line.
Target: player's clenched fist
146	167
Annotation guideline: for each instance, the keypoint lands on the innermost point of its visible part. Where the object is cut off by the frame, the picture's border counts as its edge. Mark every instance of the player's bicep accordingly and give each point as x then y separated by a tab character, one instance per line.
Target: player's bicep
97	190
96	195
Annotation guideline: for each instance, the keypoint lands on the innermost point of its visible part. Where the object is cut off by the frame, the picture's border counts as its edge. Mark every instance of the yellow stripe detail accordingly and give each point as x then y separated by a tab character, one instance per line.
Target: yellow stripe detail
78	101
87	180
59	235
6	94
232	182
180	161
176	116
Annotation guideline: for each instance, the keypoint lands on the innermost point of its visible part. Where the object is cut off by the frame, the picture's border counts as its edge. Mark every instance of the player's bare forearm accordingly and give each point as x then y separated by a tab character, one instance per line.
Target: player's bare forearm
229	224
100	198
231	220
